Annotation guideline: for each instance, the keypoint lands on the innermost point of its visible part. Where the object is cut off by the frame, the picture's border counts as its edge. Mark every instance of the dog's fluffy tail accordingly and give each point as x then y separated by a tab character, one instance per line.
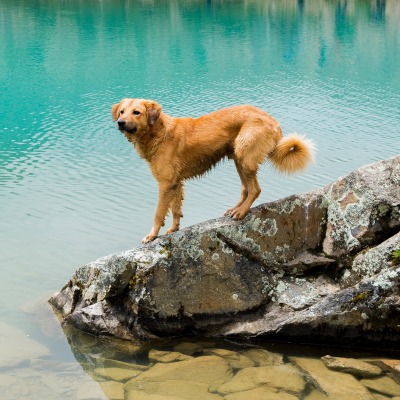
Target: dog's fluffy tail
293	153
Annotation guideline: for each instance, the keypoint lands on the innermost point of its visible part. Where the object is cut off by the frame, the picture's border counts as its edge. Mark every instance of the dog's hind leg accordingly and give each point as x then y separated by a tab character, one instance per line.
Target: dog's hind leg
253	191
176	208
251	147
248	157
244	192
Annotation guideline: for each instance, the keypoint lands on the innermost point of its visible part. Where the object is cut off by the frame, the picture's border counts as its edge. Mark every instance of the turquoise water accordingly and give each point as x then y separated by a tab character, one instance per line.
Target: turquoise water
72	189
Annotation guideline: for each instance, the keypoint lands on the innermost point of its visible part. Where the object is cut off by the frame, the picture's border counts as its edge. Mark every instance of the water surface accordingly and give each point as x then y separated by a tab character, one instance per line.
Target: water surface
72	189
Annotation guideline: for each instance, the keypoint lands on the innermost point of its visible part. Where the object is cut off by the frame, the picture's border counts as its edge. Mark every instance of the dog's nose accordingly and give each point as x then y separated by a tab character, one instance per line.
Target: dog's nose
121	123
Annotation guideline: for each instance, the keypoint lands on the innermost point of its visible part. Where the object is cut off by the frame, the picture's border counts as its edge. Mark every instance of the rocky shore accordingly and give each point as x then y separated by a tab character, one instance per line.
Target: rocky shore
317	267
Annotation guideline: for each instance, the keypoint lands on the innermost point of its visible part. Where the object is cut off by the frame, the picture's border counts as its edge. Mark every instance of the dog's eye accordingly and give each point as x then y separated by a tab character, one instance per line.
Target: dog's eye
122	111
136	112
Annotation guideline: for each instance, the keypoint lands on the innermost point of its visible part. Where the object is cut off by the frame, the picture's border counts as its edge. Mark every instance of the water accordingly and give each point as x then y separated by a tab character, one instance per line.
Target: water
72	189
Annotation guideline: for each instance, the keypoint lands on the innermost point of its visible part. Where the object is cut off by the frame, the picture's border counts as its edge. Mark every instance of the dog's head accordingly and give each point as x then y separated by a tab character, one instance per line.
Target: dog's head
135	115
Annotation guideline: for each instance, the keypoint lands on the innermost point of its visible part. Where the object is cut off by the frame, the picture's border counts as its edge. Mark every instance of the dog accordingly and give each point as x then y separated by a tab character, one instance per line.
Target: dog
177	149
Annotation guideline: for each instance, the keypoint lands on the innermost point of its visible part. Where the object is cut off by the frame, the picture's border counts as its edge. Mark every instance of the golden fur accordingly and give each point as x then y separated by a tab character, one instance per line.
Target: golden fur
177	149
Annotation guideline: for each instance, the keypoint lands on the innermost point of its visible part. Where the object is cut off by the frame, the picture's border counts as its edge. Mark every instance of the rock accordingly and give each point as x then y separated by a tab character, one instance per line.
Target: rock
299	293
352	366
211	370
371	261
307	261
235	360
368	311
362	208
378	396
259	393
241	362
187	390
17	348
383	385
392	367
113	390
167	356
283	377
116	374
136	395
392	364
311	267
188	348
110	363
335	385
263	357
315	395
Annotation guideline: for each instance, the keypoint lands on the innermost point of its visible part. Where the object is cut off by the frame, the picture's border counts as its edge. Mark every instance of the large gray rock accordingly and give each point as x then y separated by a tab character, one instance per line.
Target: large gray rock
315	266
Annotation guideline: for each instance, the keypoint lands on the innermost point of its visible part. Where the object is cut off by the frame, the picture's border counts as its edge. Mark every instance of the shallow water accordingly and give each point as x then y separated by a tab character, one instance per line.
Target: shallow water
72	189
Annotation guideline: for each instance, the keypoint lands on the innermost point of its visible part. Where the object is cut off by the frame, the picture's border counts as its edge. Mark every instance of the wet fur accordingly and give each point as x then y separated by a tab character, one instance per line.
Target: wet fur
178	149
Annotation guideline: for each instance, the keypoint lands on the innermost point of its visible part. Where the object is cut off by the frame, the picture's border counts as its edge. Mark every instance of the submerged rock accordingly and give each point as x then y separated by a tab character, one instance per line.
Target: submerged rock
204	369
17	348
264	393
315	266
113	390
219	369
174	388
235	360
167	356
116	374
352	366
188	348
383	385
263	357
282	377
336	385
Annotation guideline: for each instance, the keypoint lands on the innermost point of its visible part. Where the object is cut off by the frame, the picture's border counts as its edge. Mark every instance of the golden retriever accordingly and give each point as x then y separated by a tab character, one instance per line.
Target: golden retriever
177	149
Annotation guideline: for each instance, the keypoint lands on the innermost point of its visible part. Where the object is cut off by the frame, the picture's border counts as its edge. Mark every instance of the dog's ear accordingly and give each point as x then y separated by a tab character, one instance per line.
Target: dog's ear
115	110
153	112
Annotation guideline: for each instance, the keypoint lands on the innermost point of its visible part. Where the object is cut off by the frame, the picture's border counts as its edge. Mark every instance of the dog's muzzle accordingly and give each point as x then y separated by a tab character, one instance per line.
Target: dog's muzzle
123	127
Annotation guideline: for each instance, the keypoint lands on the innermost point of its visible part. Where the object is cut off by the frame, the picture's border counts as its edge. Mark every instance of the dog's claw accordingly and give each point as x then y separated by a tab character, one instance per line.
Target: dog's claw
236	214
148	239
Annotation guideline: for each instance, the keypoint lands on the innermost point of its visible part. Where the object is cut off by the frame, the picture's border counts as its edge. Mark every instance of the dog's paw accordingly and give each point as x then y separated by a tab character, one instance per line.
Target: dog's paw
228	213
237	213
148	238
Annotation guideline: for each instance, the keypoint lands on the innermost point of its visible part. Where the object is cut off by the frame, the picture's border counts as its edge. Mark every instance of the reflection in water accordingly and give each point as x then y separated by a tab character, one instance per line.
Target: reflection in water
378	10
84	48
72	189
344	22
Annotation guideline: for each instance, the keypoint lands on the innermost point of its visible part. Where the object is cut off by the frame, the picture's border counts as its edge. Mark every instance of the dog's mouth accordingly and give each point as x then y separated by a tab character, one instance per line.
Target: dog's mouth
124	128
130	130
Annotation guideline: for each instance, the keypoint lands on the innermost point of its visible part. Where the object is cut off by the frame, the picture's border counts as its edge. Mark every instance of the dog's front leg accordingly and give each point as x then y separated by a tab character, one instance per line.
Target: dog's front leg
166	193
